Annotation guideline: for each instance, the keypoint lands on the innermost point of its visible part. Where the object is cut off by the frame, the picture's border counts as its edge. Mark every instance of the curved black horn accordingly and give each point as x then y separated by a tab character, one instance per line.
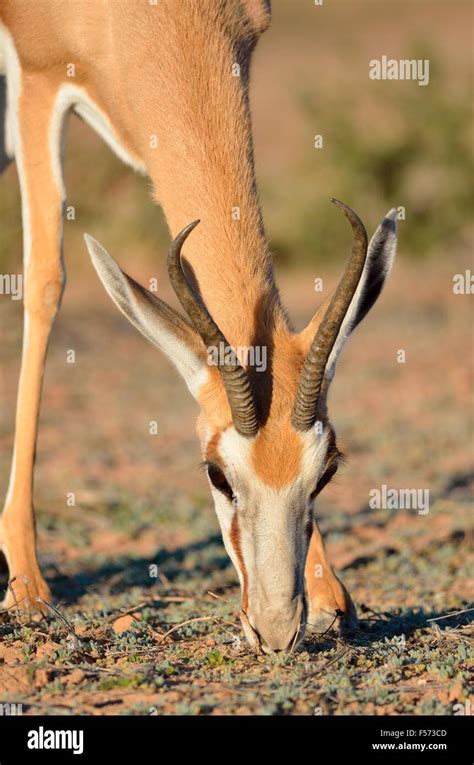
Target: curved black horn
234	376
312	374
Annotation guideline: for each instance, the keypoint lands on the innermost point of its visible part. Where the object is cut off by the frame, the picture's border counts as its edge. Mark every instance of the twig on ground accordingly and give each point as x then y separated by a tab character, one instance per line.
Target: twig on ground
73	640
449	616
130	610
185	624
217	597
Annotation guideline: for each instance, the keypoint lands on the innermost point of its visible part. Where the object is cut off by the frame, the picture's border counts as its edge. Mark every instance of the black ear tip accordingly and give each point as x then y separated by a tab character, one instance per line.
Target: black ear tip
390	221
390	225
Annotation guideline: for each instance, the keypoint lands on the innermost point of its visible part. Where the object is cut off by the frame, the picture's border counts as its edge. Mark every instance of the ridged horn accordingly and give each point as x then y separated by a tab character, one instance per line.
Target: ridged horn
234	376
312	374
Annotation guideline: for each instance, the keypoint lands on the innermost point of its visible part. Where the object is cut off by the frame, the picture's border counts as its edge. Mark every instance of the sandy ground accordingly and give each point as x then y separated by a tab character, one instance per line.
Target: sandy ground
141	500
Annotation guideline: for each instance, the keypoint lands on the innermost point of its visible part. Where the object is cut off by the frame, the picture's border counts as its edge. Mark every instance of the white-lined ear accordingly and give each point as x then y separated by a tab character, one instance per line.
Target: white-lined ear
158	322
380	254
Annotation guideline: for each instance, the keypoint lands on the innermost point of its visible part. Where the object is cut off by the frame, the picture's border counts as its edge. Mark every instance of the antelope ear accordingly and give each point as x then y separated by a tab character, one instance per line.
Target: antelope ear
157	321
259	13
380	255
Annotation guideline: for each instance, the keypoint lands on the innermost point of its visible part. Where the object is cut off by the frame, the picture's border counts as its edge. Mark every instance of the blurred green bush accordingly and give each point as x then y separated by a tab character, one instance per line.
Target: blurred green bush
386	144
417	155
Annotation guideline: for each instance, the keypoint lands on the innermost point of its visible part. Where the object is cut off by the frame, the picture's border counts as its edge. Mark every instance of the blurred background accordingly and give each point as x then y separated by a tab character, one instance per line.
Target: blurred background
386	143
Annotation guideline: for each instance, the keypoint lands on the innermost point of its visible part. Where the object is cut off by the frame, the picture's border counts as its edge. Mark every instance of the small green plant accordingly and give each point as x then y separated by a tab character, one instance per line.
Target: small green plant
214	658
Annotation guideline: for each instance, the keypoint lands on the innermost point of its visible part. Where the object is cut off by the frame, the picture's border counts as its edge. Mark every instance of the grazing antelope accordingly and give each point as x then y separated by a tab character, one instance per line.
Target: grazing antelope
167	71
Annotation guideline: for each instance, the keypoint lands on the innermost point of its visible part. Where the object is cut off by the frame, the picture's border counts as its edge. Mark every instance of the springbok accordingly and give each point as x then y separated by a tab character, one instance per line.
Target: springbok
166	86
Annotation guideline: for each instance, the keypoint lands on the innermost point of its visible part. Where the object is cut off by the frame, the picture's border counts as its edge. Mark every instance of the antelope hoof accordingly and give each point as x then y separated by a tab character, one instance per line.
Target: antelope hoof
336	612
26	597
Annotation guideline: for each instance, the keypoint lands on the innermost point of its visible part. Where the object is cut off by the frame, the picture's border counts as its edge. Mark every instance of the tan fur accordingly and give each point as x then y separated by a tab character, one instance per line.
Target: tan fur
277	455
43	288
277	450
326	593
194	106
143	66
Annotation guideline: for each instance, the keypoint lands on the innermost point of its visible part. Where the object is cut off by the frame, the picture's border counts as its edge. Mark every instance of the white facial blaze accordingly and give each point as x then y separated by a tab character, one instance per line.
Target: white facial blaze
271	521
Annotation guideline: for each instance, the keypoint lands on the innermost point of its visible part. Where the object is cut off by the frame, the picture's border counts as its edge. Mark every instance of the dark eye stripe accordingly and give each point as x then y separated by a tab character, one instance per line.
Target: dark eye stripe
235	541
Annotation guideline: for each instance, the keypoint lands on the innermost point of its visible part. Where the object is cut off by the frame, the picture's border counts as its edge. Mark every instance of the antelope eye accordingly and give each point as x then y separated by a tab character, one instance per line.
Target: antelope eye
325	478
219	481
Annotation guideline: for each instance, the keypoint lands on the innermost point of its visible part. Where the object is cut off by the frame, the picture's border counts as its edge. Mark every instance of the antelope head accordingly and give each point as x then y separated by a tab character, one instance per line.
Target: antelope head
266	438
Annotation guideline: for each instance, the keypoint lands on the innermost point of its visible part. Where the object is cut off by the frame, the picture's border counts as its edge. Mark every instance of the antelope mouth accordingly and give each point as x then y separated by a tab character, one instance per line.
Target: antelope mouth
259	645
252	636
